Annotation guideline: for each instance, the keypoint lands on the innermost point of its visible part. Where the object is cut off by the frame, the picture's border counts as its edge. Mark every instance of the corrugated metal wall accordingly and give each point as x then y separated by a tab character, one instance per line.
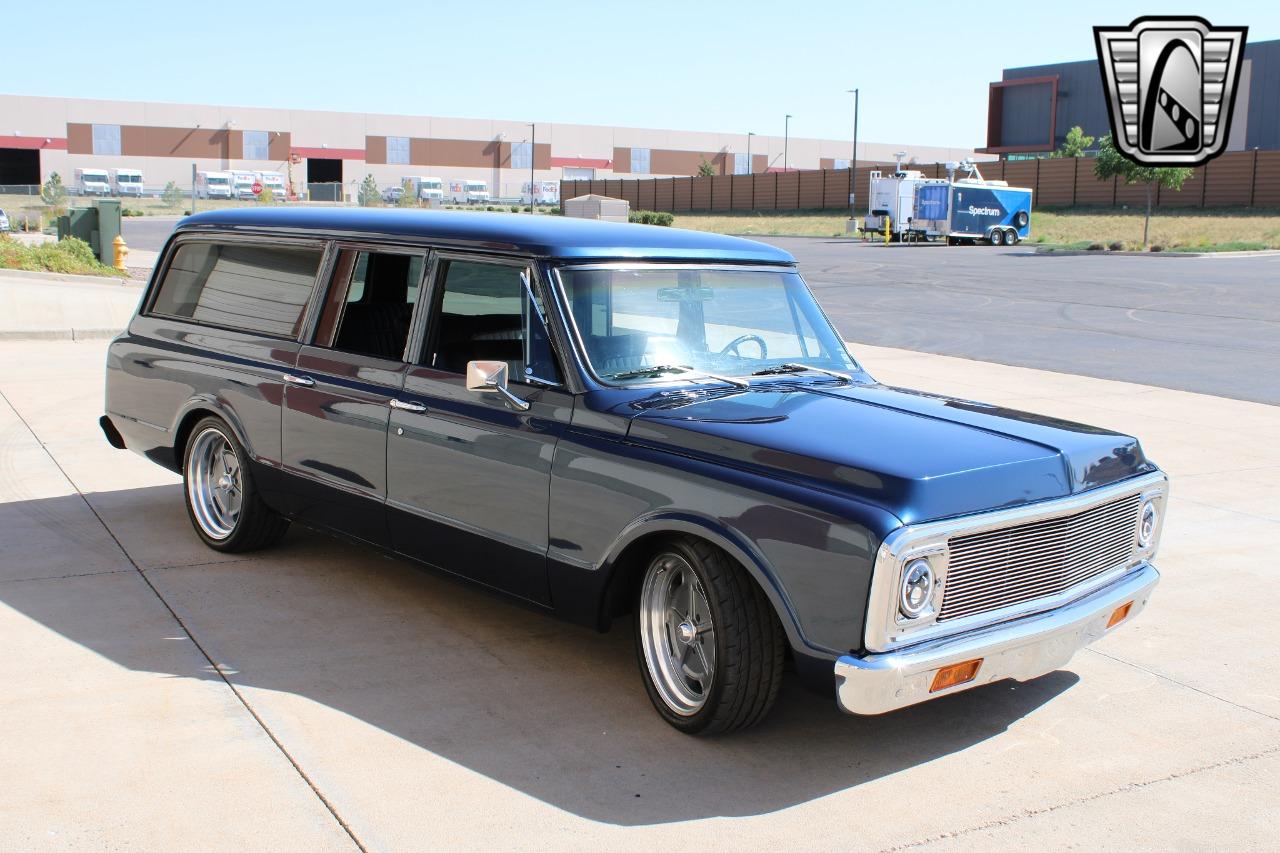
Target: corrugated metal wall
1238	178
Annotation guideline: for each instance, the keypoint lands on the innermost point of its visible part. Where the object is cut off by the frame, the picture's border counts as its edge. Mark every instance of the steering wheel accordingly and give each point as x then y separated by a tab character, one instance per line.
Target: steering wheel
742	339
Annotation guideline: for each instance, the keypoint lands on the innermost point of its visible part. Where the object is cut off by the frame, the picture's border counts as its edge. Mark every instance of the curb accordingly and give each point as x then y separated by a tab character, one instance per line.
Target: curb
58	334
1067	253
68	277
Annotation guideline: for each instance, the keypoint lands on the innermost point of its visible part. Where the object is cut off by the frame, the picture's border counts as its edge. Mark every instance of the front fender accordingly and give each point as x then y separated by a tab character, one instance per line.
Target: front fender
722	536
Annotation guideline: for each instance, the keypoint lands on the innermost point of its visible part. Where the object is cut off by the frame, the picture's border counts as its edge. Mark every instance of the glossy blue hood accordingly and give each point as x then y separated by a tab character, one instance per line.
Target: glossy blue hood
919	456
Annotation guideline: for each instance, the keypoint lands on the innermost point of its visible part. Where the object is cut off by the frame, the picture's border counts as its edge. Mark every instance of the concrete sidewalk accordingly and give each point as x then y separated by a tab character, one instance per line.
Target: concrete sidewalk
159	695
74	307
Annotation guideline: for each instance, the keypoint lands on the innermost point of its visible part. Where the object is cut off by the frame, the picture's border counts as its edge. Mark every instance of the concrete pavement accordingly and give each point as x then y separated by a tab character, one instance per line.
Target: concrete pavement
319	696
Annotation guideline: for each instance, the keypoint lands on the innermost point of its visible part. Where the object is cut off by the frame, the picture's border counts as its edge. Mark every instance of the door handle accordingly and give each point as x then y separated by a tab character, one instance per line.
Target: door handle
407	407
304	381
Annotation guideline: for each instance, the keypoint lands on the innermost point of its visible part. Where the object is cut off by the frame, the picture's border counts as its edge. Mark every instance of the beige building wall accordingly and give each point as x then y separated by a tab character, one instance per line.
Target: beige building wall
164	140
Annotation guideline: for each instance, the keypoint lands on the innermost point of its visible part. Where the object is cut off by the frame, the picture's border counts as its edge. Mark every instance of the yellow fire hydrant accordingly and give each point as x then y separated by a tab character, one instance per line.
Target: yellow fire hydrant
122	252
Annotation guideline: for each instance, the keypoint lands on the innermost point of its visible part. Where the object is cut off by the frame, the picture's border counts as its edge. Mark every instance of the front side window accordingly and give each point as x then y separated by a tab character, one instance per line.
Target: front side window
487	312
240	286
398	150
256	146
369	306
639	161
106	139
718	320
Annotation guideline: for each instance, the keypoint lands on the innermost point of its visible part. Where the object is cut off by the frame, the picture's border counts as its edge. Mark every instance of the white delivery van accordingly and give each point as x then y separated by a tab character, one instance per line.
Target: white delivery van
93	182
274	181
127	182
469	192
213	184
242	185
424	188
545	192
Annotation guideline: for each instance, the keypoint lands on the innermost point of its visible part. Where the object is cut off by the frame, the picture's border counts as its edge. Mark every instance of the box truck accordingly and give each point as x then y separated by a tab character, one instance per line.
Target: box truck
93	182
213	184
274	181
469	192
127	182
242	185
545	192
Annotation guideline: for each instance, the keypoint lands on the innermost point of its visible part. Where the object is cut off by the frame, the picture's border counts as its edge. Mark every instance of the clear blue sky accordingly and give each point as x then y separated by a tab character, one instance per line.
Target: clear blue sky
731	67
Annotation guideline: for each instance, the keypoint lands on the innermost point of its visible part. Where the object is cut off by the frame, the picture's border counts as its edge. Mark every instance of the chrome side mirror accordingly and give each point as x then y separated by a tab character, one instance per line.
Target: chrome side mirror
491	377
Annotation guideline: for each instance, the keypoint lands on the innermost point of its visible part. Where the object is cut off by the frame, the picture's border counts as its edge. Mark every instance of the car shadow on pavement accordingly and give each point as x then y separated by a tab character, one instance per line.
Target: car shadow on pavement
550	709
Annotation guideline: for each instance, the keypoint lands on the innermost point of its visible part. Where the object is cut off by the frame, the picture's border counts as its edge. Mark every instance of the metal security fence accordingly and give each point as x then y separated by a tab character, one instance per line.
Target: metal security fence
1235	179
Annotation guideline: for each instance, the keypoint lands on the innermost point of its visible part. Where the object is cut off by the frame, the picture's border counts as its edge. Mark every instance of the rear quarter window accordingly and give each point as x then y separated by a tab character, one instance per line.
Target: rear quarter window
263	289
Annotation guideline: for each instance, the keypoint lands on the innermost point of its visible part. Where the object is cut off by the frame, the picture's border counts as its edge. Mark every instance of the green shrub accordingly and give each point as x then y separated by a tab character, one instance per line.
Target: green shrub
1116	246
1095	247
555	211
64	256
515	208
650	217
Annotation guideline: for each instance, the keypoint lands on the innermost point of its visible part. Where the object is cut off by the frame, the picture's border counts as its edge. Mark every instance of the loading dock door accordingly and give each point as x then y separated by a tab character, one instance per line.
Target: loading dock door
20	167
324	179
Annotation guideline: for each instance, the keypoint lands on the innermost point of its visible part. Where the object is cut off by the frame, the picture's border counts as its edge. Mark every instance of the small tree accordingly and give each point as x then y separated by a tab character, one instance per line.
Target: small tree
1075	144
266	196
172	195
53	192
407	198
368	195
1112	164
705	169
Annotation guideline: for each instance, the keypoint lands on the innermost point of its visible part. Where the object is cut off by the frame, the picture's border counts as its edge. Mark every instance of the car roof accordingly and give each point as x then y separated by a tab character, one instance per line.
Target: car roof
545	236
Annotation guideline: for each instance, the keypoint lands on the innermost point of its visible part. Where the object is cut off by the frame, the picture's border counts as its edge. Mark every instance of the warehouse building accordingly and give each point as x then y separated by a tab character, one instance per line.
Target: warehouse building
1030	110
42	135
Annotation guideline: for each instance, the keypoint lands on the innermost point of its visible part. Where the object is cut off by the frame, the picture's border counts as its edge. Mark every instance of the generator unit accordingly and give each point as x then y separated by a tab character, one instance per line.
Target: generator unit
959	209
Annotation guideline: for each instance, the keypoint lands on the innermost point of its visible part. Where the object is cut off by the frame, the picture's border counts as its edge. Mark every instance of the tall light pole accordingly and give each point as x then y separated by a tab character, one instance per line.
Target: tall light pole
853	162
749	135
786	140
533	159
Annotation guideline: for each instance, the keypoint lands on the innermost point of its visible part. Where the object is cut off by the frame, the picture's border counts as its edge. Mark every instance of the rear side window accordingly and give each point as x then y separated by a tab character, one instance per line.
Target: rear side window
261	289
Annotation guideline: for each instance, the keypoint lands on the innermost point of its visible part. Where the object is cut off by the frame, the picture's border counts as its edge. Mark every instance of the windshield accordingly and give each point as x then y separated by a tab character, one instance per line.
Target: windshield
475	187
725	321
129	179
217	182
431	185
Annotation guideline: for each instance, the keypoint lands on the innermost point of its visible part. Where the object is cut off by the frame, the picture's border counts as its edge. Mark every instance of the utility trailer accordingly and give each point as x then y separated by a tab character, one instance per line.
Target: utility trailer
907	205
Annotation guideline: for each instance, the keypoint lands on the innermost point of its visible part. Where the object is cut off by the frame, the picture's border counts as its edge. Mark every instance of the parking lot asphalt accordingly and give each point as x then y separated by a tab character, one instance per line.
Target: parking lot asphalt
1209	325
160	695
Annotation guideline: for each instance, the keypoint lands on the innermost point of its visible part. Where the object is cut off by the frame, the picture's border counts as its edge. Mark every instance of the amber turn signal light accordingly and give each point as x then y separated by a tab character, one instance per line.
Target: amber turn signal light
957	673
1119	614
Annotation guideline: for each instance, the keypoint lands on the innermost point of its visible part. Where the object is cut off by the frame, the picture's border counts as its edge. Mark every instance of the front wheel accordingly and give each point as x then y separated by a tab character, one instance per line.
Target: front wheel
996	237
221	498
709	645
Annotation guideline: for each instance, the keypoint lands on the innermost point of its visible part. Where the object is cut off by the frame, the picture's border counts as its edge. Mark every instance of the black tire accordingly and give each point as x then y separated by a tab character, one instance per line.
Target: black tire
1010	237
996	237
257	526
749	642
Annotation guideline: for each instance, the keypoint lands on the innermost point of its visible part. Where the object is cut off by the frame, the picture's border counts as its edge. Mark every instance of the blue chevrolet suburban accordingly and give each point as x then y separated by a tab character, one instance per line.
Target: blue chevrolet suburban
606	420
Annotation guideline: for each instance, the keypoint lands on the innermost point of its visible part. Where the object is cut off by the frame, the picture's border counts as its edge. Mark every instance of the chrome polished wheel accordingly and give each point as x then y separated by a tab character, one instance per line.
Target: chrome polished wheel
676	633
215	485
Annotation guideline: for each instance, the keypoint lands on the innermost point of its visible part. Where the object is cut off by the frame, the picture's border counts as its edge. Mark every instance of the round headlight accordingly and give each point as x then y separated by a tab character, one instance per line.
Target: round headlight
917	588
1148	519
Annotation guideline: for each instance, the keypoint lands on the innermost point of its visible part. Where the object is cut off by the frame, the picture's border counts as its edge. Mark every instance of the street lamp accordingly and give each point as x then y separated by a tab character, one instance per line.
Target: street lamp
749	135
533	159
853	163
786	139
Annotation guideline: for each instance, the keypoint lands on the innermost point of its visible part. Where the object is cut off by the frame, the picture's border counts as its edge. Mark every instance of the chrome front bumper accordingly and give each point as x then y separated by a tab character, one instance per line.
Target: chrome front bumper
1022	649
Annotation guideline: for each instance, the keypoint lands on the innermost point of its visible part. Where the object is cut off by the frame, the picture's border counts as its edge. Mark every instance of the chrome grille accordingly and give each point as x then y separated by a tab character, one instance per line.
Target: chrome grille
1014	565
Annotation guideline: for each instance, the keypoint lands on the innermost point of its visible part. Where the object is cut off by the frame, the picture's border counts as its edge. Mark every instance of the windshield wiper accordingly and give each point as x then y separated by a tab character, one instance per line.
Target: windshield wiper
792	367
659	369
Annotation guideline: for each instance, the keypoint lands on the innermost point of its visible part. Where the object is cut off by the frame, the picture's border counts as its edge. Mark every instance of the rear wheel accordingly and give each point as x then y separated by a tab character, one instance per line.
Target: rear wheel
1010	237
709	645
221	498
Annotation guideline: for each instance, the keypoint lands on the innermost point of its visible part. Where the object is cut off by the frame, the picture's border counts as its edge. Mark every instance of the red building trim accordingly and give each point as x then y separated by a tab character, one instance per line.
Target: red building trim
582	162
47	143
329	153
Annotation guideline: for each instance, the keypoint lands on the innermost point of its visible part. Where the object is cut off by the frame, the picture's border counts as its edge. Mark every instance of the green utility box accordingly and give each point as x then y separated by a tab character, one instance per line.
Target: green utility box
108	230
98	226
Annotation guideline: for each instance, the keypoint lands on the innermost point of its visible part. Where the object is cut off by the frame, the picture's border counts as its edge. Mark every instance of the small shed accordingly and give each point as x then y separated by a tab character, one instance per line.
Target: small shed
598	207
